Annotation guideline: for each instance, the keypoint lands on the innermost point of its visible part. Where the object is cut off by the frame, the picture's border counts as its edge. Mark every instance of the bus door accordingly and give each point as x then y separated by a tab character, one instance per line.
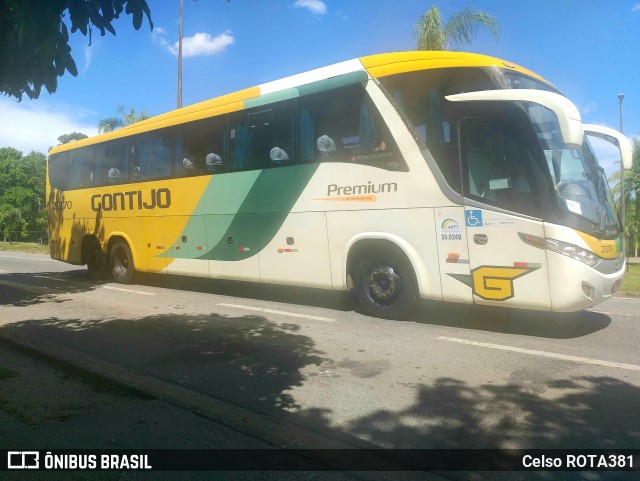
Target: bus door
501	208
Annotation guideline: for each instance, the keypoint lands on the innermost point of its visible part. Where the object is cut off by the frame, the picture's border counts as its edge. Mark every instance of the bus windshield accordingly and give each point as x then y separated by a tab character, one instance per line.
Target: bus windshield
580	183
516	80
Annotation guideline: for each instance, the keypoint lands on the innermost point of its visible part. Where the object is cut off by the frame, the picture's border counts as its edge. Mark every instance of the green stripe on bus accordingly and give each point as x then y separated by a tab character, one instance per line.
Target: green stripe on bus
213	214
262	213
333	82
240	213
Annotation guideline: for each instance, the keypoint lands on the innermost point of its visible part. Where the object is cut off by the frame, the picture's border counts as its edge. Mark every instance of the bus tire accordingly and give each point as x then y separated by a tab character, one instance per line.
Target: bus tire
385	286
121	263
96	260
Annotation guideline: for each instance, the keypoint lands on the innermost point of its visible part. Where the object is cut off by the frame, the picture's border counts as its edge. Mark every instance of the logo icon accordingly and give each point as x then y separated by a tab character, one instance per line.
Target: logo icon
474	218
493	283
23	460
450	225
496	283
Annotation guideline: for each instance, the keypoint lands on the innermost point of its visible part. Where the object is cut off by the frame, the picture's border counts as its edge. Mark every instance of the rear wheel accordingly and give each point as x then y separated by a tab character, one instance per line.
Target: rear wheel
121	263
385	286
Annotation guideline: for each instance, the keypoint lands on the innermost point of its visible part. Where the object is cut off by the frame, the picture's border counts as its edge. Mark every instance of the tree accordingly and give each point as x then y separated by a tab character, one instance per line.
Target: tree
22	195
461	27
34	39
125	118
72	137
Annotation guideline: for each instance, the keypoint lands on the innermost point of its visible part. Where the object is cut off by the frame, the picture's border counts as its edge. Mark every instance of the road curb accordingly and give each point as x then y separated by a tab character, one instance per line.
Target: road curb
276	432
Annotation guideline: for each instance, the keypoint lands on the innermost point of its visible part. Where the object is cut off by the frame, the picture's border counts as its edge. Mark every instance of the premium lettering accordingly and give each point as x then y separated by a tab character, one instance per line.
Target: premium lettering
368	188
132	200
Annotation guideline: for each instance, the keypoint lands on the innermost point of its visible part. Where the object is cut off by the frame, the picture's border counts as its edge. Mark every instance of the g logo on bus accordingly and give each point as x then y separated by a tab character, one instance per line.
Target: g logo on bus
496	283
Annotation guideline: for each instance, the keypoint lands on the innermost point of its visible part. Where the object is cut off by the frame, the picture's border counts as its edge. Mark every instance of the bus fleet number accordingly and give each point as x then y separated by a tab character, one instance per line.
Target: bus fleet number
451	236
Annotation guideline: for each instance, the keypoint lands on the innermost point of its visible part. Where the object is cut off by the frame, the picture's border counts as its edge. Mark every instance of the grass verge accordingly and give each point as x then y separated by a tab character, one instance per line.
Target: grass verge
631	282
29	247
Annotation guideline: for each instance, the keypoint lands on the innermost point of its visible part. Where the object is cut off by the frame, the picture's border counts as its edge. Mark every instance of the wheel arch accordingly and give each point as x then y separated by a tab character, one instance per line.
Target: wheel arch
371	242
116	236
84	247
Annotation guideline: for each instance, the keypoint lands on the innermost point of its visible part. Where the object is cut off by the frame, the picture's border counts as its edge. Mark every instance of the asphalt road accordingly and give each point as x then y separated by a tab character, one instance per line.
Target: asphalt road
450	377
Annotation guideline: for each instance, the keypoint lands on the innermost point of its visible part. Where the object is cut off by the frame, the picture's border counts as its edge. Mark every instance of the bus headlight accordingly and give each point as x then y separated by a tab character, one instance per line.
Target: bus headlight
572	251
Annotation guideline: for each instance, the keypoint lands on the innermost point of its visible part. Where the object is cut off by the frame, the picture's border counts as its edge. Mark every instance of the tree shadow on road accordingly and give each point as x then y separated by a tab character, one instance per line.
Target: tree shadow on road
256	363
26	289
246	360
582	412
253	362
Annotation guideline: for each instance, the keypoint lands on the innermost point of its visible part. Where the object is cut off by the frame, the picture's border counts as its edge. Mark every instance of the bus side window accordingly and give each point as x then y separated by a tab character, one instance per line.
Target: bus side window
344	125
155	154
262	138
82	168
110	163
200	147
59	170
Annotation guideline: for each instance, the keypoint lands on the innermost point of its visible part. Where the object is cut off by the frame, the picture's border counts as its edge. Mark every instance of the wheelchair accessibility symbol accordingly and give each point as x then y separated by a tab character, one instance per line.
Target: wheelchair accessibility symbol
474	218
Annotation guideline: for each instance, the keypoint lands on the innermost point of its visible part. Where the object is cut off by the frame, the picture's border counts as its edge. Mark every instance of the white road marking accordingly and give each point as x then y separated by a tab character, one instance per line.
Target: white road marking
273	311
40	276
564	357
131	291
616	313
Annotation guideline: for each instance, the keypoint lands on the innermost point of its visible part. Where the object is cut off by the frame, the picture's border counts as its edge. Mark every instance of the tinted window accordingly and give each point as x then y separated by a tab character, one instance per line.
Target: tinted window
110	163
498	164
200	147
420	99
344	125
263	137
152	155
517	80
59	170
82	168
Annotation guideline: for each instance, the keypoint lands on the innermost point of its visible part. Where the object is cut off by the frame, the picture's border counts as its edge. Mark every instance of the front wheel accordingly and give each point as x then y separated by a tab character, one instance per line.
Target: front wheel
121	262
385	287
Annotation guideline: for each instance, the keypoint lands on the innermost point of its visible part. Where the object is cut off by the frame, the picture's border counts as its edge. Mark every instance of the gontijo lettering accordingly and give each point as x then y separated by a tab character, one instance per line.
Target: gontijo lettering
131	200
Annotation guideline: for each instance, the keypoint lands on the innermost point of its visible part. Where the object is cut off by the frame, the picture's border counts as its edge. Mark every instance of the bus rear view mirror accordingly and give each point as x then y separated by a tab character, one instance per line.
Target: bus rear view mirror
613	137
566	112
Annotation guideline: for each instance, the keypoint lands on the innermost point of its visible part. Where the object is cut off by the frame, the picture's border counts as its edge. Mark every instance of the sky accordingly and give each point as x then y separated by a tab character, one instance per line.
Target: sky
586	48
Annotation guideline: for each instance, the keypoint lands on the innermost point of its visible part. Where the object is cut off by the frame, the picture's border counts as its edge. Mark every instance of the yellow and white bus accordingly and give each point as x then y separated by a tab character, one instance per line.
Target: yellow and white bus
435	175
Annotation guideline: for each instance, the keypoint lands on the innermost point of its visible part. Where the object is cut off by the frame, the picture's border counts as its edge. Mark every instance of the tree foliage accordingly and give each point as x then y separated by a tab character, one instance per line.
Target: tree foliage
34	38
433	34
22	195
72	137
126	117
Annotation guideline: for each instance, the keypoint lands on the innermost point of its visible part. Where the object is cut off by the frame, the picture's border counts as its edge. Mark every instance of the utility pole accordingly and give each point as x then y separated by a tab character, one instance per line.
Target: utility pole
180	60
